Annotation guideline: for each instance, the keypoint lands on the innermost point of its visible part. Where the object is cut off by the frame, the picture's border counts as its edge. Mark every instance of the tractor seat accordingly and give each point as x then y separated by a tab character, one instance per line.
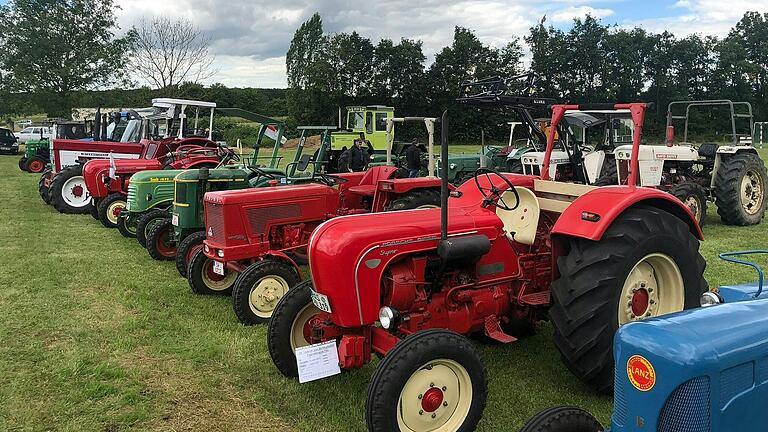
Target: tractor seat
520	224
369	181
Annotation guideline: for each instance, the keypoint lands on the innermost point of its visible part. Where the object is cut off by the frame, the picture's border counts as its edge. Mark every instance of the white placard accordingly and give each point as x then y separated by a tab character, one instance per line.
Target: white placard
317	361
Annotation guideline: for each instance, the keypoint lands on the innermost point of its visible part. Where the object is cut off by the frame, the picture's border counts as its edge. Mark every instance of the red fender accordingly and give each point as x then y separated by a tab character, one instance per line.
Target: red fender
609	202
283	257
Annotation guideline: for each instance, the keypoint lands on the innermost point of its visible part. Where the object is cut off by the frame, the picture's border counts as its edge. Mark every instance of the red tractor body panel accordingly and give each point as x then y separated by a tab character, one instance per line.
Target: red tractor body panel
67	152
97	170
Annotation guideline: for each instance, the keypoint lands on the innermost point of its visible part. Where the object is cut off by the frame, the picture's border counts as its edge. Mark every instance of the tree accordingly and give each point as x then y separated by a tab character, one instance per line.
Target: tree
305	50
56	47
167	53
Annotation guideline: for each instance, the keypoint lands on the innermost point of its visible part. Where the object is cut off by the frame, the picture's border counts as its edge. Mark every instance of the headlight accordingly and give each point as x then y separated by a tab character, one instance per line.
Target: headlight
149	197
205	247
452	166
220	253
710	299
388	317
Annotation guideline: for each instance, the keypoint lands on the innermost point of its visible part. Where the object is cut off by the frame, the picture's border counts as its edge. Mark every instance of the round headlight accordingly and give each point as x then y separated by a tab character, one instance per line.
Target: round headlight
452	166
220	253
149	197
387	317
205	247
710	299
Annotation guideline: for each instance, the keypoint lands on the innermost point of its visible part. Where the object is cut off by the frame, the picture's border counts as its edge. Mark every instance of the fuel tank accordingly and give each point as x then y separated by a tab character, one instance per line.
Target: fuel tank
703	369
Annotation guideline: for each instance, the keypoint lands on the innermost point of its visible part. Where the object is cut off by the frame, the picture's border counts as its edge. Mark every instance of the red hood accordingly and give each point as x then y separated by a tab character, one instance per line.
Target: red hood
94	172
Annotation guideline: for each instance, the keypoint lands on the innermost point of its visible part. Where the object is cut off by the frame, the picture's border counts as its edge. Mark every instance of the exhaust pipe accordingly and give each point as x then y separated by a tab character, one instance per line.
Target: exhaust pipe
444	192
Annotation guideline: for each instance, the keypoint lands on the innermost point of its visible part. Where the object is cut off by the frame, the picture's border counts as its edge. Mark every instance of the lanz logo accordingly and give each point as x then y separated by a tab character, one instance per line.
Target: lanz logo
641	373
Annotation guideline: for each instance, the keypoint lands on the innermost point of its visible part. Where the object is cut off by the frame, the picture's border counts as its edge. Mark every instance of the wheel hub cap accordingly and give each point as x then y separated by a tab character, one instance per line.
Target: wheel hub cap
432	399
265	294
77	191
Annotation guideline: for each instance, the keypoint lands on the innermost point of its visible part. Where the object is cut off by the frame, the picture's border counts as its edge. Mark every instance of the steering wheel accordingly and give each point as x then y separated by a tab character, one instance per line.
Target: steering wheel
492	195
261	172
227	154
329	180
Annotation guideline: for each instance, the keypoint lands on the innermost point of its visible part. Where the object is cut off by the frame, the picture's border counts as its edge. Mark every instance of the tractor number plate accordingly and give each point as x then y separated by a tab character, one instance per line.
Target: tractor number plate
175	219
218	268
321	301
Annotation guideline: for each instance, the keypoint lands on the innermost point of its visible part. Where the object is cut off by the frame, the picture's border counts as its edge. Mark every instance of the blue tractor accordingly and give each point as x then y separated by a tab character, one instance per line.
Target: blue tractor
701	370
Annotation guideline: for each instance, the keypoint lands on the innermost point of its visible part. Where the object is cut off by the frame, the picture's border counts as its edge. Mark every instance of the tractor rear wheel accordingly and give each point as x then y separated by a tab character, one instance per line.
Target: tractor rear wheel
416	199
186	249
562	419
160	242
646	264
740	185
35	164
608	175
259	287
68	191
109	209
23	163
203	280
431	380
286	332
42	188
145	222
694	197
126	224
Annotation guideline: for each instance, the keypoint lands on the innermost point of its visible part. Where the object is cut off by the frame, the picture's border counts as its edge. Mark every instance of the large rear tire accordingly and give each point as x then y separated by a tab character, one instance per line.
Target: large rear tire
145	222
186	249
259	287
431	380
109	209
203	280
68	191
646	264
562	419
286	328
160	243
739	191
421	198
694	197
42	188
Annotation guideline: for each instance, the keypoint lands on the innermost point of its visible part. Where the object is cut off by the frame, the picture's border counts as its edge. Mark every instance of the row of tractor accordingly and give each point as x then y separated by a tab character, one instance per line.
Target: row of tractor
597	239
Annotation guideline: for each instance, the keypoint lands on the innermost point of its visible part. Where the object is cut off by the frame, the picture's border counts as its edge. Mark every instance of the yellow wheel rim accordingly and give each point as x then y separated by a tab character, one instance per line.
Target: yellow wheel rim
751	192
427	206
265	293
297	328
113	210
437	396
653	287
214	281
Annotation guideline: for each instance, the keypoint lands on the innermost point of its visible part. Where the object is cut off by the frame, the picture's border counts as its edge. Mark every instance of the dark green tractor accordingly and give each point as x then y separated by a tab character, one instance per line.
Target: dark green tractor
37	155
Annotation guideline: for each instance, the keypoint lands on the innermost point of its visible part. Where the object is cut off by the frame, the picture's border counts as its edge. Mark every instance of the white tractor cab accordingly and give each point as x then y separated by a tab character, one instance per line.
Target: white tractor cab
181	118
730	174
574	159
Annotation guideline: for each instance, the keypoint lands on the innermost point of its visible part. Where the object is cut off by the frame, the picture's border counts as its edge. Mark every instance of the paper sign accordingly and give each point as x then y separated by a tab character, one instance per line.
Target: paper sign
317	361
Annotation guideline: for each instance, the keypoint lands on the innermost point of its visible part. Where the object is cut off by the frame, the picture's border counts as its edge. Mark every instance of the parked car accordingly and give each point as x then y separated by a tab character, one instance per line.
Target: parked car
8	142
33	133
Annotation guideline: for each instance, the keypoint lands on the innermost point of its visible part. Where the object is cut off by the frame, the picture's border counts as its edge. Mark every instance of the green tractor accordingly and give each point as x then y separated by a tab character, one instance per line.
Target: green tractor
150	193
38	154
369	120
191	185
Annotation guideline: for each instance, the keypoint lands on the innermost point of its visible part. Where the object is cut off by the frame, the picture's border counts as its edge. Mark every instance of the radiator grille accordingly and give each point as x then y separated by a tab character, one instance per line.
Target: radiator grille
131	194
687	408
214	217
258	217
734	381
619	397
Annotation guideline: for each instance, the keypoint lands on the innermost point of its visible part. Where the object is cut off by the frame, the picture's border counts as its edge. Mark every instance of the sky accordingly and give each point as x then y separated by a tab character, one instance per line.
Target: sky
250	38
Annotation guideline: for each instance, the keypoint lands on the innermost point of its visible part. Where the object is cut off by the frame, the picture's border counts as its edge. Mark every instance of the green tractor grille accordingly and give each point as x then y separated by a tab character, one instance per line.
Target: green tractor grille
131	195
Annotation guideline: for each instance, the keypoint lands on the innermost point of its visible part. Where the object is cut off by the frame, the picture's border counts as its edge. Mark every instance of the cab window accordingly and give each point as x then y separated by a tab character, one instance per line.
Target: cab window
26	130
369	122
36	130
355	121
381	122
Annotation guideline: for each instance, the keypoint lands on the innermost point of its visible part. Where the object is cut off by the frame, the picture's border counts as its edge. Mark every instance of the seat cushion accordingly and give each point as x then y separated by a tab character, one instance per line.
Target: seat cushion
363	190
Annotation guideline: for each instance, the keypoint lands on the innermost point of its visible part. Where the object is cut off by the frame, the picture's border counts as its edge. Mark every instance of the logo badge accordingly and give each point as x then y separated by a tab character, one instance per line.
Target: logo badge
210	232
641	373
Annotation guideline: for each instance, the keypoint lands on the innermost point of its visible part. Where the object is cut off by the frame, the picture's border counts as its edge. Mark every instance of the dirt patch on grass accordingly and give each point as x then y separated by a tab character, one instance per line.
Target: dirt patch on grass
186	406
312	141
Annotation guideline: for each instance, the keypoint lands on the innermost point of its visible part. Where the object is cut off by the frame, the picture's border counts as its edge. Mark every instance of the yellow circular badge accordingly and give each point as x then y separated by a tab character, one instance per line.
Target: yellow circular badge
640	373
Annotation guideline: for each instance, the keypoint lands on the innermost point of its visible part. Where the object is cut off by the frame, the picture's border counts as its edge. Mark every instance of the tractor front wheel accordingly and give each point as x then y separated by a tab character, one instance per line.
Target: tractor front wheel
203	280
145	223
160	242
23	163
740	189
42	188
68	191
563	419
288	327
126	224
186	249
35	165
109	209
260	287
646	264
416	199
694	197
431	380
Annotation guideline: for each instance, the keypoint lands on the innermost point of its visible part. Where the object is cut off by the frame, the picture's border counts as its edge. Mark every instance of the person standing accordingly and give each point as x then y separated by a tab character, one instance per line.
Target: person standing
413	159
358	156
344	160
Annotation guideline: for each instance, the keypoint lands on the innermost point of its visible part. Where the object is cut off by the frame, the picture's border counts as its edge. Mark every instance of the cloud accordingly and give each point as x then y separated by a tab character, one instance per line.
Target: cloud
568	14
704	17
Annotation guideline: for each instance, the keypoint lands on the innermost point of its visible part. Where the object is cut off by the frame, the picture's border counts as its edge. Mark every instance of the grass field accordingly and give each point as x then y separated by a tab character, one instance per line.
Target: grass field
97	336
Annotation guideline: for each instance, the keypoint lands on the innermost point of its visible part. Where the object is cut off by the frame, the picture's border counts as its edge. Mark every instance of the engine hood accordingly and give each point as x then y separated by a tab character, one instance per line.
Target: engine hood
276	193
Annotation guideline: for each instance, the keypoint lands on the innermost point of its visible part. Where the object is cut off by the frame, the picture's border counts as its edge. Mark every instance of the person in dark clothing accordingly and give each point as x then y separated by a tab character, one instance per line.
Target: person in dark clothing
358	158
413	159
343	164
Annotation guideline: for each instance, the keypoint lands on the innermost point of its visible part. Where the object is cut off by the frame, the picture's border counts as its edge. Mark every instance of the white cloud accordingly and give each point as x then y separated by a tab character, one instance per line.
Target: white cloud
705	17
568	14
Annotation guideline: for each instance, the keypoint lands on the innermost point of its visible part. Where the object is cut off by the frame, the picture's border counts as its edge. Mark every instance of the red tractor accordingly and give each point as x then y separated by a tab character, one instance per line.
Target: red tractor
261	233
510	251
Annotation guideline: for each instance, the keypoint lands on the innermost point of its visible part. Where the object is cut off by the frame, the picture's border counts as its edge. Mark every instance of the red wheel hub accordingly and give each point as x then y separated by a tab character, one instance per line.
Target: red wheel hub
432	399
640	300
116	211
165	247
77	191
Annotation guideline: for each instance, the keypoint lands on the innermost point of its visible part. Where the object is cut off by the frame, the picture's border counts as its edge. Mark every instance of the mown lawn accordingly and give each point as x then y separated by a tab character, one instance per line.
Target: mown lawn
95	335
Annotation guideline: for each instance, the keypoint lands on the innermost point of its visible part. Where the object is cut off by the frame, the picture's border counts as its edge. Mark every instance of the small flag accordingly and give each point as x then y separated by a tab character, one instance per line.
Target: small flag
112	167
271	132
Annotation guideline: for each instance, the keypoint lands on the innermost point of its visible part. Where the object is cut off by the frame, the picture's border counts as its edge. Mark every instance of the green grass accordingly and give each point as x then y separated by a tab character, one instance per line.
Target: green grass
98	336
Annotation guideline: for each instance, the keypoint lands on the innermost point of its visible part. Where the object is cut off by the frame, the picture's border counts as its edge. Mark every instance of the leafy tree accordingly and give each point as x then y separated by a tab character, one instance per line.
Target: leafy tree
351	58
305	50
57	47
